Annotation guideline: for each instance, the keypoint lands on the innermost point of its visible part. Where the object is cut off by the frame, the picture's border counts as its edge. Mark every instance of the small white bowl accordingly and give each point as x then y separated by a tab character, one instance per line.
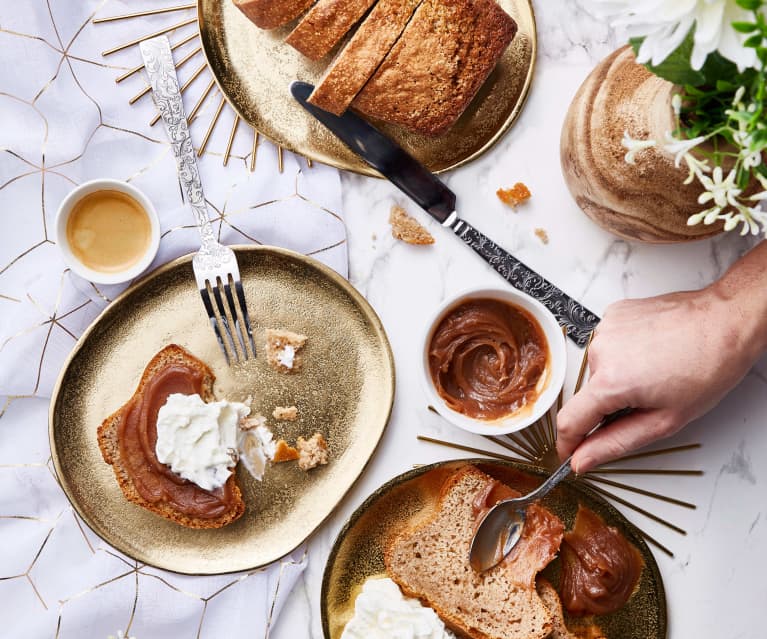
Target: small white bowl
552	379
65	209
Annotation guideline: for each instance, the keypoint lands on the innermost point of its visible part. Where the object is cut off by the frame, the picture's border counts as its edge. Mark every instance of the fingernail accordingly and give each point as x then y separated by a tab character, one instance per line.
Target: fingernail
584	465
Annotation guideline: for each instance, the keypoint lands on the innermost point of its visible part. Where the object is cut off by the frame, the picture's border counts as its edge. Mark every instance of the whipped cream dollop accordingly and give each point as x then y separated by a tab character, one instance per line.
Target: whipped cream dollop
257	448
381	611
198	440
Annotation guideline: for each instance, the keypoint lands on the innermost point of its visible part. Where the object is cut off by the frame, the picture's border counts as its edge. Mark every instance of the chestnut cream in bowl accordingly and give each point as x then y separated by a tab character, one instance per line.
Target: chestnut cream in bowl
494	360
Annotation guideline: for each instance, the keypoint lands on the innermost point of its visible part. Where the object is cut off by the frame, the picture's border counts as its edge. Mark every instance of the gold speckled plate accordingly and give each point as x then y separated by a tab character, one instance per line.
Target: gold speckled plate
358	551
345	390
254	69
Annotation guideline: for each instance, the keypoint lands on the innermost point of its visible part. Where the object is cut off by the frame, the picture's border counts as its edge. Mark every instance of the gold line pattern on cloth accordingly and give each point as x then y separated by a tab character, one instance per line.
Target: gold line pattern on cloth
64	62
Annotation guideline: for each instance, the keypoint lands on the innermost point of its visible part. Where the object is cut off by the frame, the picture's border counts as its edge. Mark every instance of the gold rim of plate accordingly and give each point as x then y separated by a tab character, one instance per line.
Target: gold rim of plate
253	69
357	552
345	390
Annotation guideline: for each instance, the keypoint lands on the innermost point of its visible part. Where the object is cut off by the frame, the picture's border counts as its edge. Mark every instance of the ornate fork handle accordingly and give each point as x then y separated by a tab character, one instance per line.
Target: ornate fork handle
167	97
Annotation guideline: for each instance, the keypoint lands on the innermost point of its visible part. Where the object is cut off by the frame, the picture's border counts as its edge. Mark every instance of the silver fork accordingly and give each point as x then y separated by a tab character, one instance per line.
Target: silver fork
215	265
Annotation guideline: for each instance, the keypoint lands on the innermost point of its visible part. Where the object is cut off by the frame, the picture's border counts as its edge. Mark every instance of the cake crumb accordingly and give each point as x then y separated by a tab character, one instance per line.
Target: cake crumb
284	452
285	413
312	452
514	196
251	422
282	349
542	235
407	228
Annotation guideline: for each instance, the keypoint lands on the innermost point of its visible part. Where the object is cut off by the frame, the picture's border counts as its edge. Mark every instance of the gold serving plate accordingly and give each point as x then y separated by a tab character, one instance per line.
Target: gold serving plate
254	69
358	551
345	390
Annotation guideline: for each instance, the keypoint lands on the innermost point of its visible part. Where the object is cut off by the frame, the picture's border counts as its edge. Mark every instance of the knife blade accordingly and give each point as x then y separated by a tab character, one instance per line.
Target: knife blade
432	195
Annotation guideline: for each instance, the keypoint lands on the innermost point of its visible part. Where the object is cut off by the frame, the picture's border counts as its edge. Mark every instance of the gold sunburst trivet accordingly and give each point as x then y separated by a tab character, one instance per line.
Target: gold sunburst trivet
536	445
201	71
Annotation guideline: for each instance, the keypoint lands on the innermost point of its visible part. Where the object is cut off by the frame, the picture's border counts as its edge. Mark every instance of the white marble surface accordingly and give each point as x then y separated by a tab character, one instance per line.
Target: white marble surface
714	584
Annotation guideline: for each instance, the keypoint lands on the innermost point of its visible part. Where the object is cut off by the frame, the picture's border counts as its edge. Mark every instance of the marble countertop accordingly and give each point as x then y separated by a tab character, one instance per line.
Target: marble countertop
714	587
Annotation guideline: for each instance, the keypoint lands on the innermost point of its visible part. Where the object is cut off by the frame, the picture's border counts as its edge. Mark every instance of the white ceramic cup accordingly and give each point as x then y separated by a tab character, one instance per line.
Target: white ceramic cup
552	379
62	217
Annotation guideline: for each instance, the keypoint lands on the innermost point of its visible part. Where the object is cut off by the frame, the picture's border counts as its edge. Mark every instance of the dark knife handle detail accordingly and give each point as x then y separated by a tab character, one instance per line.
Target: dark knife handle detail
579	321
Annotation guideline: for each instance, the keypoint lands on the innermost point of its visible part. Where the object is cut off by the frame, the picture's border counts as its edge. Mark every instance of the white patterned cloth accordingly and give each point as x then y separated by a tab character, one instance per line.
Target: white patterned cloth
65	121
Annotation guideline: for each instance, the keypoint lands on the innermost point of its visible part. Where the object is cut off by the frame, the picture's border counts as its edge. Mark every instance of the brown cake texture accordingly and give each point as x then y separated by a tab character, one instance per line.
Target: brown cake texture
359	59
436	68
326	23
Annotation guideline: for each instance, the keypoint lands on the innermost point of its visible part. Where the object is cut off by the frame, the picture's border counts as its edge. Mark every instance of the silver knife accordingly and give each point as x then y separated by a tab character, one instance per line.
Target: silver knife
431	194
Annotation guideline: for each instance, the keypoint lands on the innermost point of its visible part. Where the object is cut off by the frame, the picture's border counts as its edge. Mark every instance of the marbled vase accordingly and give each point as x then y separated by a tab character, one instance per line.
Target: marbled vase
647	201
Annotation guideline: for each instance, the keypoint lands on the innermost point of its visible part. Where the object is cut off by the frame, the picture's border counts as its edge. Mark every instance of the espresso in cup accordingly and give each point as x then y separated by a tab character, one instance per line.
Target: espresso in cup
108	231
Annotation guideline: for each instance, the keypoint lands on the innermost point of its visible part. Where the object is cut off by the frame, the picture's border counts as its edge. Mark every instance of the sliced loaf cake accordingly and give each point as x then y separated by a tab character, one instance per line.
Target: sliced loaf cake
326	23
430	561
359	59
270	14
436	68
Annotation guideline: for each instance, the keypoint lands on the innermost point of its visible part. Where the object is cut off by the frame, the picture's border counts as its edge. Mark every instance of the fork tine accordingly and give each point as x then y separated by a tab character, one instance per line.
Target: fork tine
244	312
224	322
213	321
233	313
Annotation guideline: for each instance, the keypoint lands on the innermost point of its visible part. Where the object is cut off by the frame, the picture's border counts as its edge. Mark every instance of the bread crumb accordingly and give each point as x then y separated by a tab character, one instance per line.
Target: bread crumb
282	349
285	413
514	196
542	235
284	452
406	228
251	422
312	452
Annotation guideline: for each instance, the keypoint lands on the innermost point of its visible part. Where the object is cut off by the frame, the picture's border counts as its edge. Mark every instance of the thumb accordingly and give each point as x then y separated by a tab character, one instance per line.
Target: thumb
622	436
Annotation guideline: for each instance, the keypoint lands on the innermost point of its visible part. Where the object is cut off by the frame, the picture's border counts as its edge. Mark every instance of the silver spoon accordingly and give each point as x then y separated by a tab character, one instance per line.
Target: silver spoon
501	527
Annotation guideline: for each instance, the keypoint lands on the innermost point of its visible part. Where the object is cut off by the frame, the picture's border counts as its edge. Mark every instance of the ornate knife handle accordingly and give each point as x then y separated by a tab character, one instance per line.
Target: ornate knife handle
158	61
578	320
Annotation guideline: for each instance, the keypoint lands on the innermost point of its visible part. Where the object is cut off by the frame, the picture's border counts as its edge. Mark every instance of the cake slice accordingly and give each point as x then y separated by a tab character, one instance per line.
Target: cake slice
435	69
359	59
127	442
326	23
270	14
549	595
431	562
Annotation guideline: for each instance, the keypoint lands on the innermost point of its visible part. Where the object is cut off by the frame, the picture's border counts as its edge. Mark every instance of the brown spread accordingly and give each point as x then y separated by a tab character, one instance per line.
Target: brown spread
600	567
487	357
541	534
137	437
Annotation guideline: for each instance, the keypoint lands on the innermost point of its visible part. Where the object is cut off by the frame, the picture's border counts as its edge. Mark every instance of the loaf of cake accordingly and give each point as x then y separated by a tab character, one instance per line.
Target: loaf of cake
359	59
270	14
436	68
326	23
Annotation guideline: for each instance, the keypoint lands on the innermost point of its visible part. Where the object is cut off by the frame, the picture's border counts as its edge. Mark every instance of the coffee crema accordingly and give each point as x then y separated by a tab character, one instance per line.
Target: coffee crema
488	358
108	231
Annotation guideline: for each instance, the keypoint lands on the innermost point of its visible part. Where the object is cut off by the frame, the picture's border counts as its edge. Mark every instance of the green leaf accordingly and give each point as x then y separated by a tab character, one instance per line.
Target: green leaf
744	27
676	68
754	41
750	5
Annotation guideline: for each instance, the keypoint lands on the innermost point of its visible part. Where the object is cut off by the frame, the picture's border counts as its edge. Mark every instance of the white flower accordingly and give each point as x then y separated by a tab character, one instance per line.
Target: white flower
120	635
664	24
634	147
697	167
681	148
676	104
722	191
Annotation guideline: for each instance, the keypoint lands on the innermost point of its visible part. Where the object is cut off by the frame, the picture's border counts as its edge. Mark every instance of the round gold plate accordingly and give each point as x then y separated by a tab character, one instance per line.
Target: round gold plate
344	390
358	550
254	69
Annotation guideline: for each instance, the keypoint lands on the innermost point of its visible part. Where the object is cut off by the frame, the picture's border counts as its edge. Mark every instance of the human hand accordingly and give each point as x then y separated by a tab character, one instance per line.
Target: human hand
671	358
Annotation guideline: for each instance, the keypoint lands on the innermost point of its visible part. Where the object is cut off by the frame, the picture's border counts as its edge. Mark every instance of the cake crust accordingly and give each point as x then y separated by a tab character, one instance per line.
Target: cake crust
435	69
359	59
326	23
